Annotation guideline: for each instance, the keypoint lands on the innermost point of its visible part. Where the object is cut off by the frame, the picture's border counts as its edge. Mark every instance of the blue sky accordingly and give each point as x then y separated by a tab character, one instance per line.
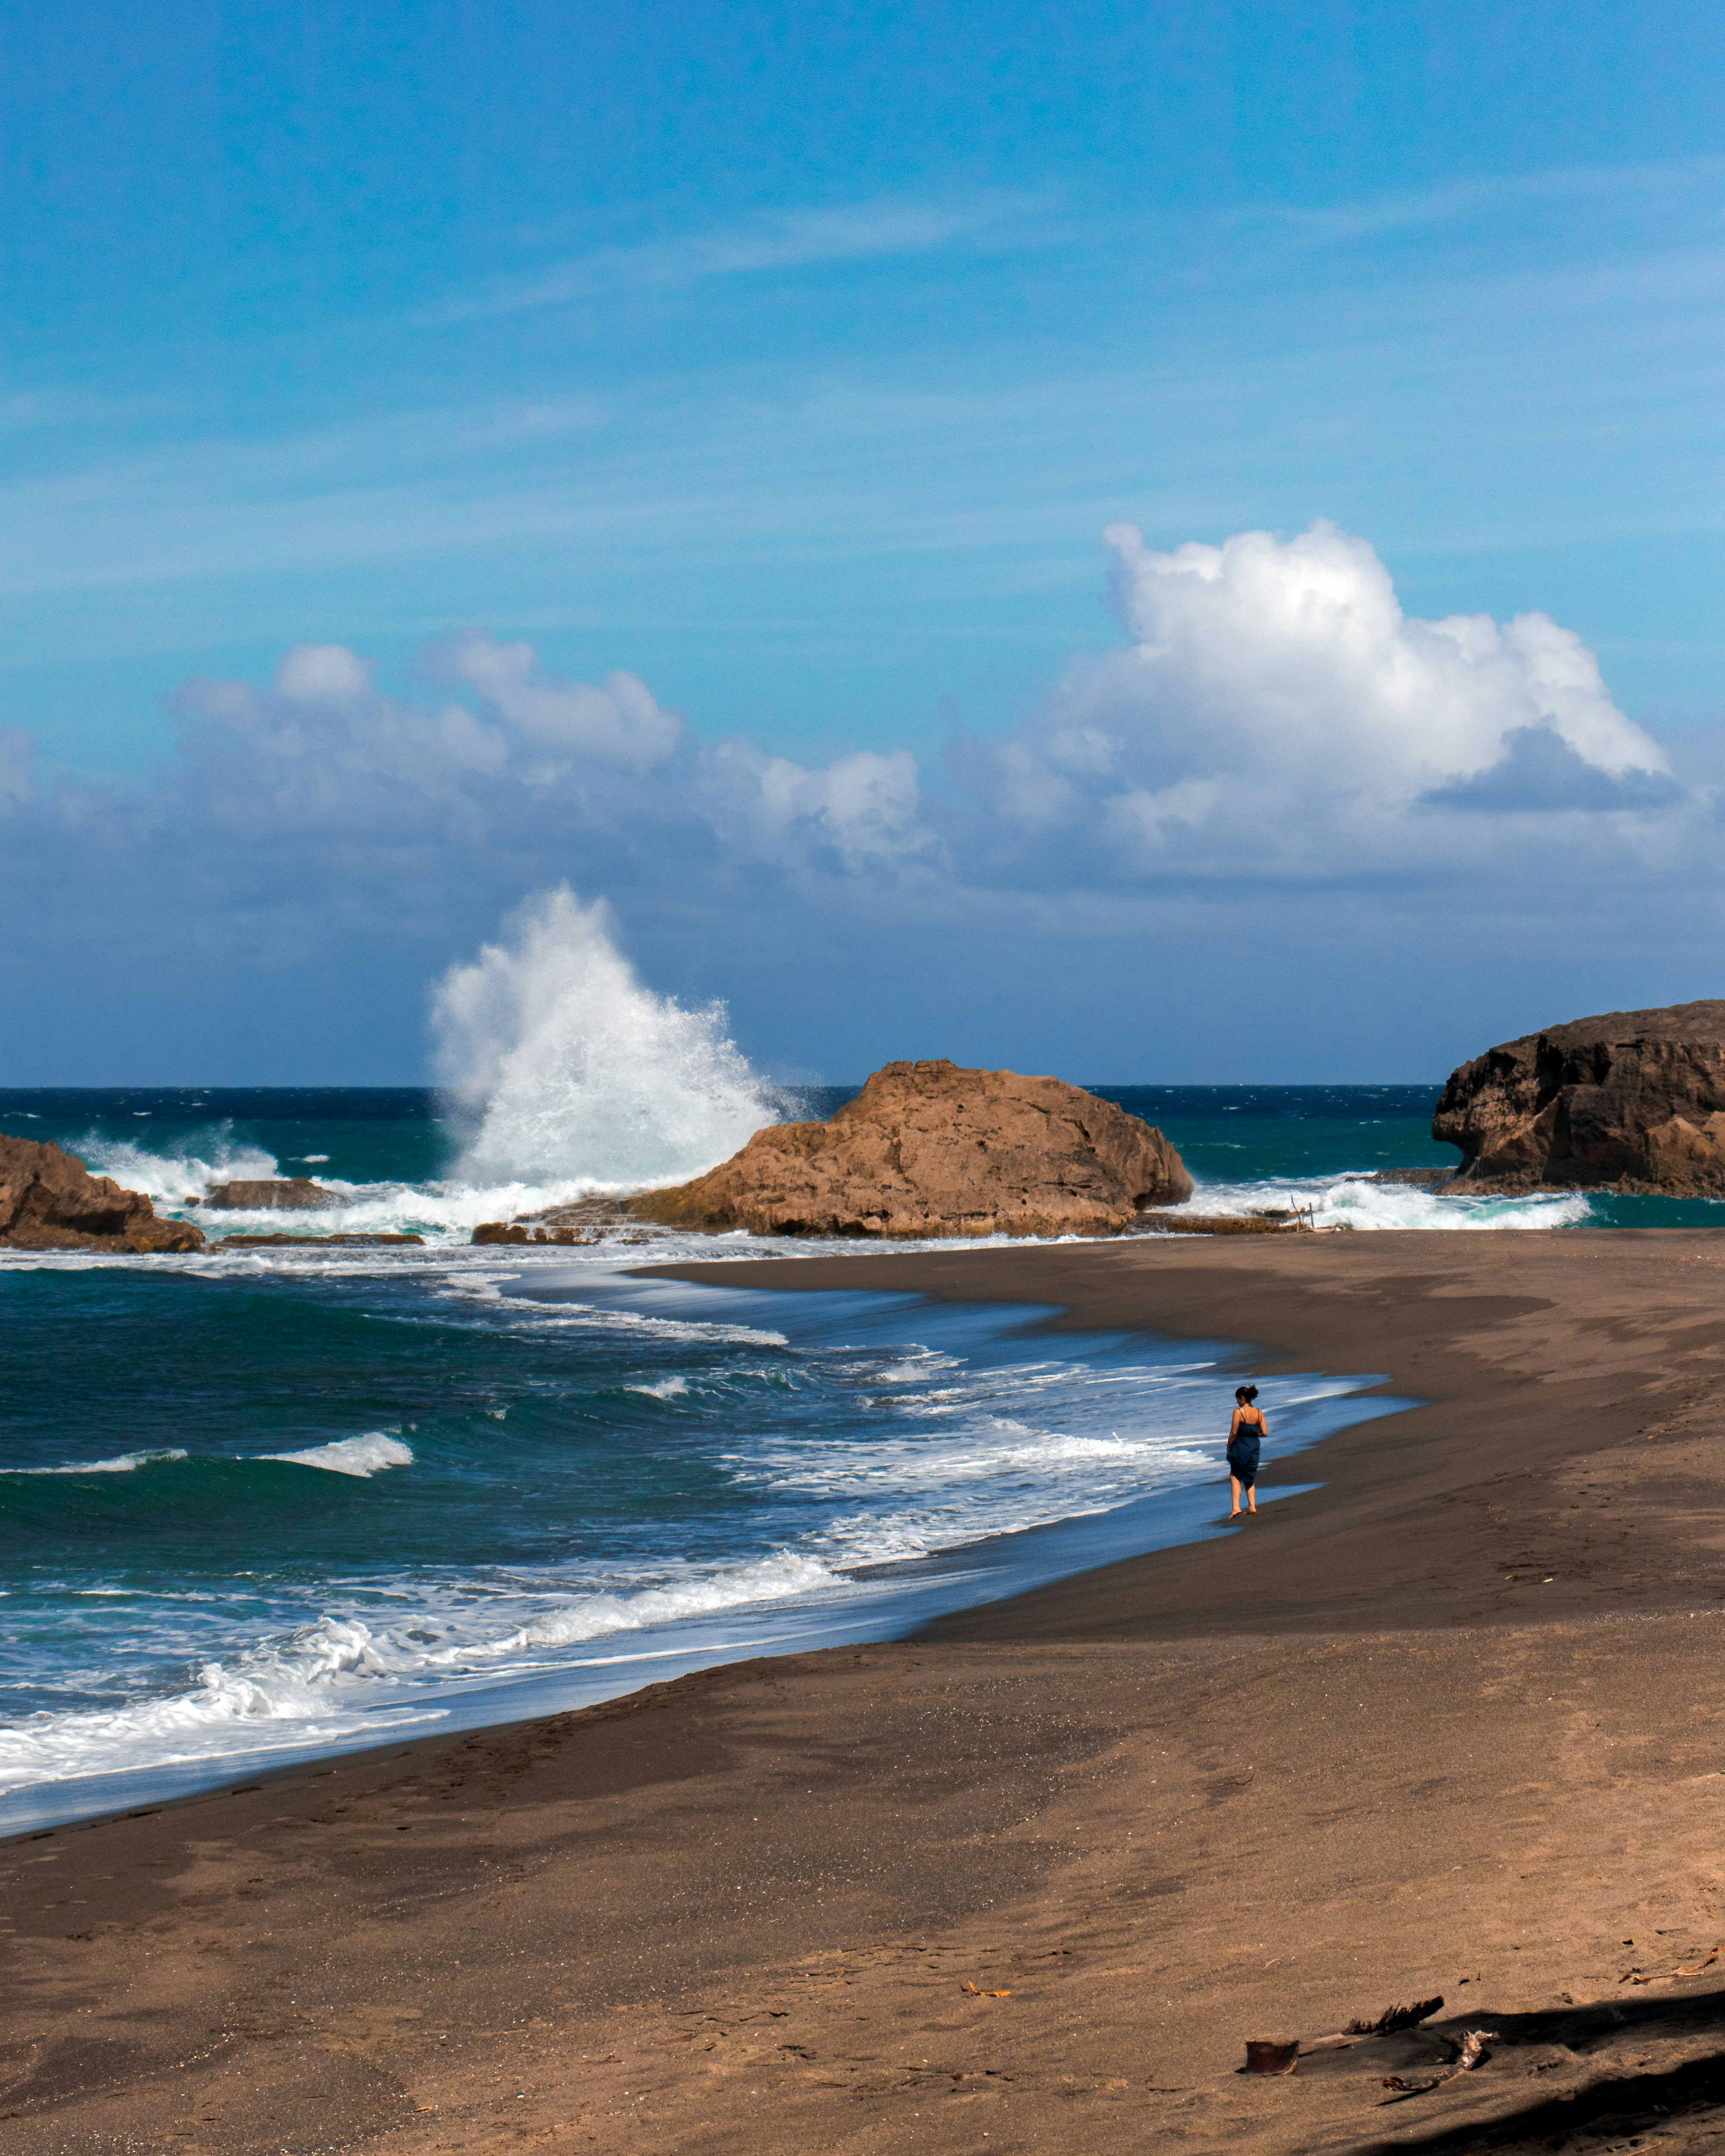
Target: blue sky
793	362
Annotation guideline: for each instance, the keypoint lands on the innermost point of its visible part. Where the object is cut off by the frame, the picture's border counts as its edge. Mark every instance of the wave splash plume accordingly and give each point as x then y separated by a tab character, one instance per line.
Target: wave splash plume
575	1075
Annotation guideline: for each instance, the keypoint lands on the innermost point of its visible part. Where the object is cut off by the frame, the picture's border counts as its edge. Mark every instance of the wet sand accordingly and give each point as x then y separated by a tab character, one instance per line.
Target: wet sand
1450	1723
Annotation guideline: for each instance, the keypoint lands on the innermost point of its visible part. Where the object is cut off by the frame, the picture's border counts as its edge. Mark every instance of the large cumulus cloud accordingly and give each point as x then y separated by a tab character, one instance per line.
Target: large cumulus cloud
1277	716
1277	771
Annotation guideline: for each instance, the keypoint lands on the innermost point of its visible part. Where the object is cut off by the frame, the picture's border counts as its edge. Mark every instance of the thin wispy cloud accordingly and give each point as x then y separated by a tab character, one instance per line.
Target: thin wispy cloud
29	411
776	240
1699	181
975	460
415	479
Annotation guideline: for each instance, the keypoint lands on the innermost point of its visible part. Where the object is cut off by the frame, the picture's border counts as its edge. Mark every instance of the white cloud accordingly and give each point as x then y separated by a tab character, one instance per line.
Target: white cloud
521	775
1276	712
323	747
321	674
622	723
863	810
1275	715
1296	653
1276	738
1147	817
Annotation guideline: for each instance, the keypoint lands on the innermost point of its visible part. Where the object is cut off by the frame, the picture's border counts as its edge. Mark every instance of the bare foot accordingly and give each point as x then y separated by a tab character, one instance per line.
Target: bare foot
1236	1515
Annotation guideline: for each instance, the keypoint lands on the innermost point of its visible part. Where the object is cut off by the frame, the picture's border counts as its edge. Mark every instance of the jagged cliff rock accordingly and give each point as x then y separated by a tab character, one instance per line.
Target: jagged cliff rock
50	1201
930	1149
293	1193
1629	1101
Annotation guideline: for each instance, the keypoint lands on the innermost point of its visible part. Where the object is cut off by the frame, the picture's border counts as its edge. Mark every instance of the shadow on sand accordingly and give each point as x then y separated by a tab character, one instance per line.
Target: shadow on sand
1643	2095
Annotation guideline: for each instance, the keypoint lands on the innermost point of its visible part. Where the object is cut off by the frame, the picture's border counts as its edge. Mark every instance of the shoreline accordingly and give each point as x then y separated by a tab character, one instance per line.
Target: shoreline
1385	1743
896	1597
1473	1325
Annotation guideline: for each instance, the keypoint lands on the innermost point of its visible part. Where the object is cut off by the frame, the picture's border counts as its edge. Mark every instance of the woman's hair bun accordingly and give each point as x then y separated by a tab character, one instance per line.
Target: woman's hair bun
1247	1393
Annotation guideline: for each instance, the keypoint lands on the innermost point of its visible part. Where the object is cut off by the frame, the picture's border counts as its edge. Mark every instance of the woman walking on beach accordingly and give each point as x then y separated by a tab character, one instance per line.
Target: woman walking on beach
1246	1436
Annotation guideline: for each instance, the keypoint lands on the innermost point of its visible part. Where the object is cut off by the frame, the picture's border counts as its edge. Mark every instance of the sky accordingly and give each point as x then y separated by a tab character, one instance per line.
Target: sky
1167	542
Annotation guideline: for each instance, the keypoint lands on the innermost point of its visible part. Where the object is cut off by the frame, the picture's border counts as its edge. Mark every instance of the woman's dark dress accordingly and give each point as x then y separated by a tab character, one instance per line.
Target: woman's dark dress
1243	1450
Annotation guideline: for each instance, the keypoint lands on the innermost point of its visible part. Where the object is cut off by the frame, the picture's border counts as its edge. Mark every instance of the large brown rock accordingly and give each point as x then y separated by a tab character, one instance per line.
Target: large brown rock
50	1201
929	1149
291	1194
1629	1101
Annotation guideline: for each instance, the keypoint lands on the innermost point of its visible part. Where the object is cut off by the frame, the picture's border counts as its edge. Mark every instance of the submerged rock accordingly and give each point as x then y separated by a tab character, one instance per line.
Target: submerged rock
586	1220
310	1242
931	1149
1629	1101
293	1193
50	1201
532	1231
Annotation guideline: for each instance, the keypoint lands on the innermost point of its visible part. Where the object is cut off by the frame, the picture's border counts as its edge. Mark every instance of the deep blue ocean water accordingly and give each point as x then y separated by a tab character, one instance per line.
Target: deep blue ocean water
259	1504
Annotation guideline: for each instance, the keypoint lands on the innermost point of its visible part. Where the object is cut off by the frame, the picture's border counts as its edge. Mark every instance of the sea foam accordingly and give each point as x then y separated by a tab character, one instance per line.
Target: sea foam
124	1463
340	1674
1359	1201
362	1456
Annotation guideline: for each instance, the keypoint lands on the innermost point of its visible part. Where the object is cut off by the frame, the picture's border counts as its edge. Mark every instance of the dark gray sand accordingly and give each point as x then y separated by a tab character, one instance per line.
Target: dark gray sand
1452	1723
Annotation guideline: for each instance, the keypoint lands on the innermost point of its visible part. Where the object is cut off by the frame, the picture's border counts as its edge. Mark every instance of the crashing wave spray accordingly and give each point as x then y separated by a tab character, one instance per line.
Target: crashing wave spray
576	1073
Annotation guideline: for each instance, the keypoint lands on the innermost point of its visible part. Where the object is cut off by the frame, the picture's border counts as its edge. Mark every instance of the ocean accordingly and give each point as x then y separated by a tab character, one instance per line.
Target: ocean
258	1505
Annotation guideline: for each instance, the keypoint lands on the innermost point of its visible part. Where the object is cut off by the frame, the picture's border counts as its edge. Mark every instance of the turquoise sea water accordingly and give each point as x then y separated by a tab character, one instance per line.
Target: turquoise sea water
262	1503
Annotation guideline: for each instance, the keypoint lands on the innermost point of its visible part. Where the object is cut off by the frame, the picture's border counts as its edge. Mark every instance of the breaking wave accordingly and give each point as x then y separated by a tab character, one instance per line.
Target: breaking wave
1354	1201
308	1688
171	1181
125	1463
362	1456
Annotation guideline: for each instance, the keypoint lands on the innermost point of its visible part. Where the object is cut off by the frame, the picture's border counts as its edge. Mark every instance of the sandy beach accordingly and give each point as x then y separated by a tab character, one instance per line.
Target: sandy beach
1449	1723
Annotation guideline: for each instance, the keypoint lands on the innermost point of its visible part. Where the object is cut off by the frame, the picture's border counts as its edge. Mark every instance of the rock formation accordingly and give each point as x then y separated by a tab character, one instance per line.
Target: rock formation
50	1201
930	1149
1630	1100
294	1193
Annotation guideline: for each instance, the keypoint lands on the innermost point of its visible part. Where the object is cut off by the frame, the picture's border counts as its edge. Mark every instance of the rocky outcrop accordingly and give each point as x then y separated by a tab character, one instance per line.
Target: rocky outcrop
293	1193
1630	1100
930	1149
50	1201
